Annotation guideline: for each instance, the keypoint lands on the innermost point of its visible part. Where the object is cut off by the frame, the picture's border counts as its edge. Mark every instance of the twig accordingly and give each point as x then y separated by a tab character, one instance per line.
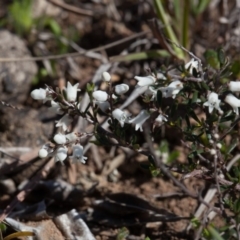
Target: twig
164	170
9	105
75	54
72	9
192	79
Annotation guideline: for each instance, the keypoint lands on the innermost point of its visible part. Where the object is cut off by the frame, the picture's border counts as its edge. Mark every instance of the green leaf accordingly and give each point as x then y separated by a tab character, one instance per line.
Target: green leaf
221	56
235	68
200	6
214	233
20	13
3	227
90	88
194	97
173	156
54	26
211	57
163	148
122	234
204	85
163	16
140	56
154	172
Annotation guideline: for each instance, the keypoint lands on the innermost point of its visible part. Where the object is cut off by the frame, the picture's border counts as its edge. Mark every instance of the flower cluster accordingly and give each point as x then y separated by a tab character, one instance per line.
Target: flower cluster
64	104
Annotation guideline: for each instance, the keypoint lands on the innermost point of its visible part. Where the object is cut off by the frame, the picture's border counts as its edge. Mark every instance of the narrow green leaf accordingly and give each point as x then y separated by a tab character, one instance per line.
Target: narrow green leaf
162	15
140	56
214	233
194	97
221	56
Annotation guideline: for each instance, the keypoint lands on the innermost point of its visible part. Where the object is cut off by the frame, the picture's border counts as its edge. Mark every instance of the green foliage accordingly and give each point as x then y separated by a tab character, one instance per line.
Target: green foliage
122	233
3	227
20	16
213	233
212	59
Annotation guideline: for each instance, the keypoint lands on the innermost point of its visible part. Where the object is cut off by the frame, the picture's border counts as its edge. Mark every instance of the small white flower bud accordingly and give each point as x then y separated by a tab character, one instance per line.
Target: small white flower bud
211	141
60	138
234	86
100	96
219	145
233	102
213	151
106	77
121	89
39	94
216	136
42	153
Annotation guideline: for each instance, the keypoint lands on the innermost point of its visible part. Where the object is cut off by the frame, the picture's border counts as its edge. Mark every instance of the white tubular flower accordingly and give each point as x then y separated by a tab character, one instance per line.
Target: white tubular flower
172	89
71	137
120	116
233	102
151	92
192	64
72	92
61	154
104	106
161	118
234	86
55	107
161	76
39	94
121	89
213	102
106	77
140	119
145	81
64	122
60	138
78	154
43	153
100	96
